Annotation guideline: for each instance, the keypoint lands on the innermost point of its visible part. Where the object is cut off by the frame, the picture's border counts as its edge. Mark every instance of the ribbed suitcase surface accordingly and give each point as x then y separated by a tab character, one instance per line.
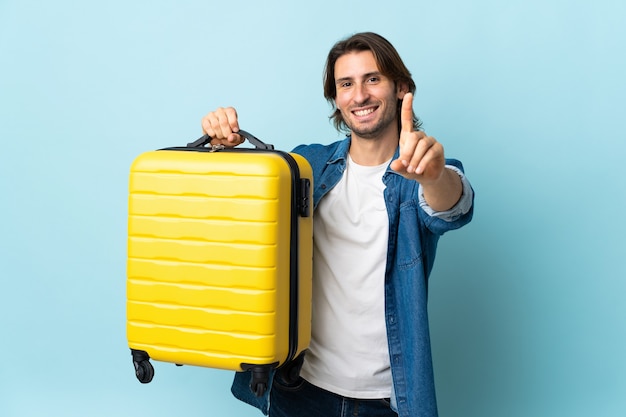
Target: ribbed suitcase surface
209	251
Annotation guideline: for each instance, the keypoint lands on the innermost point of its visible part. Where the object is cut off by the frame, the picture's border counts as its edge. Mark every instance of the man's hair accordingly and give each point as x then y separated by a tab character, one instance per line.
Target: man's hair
389	63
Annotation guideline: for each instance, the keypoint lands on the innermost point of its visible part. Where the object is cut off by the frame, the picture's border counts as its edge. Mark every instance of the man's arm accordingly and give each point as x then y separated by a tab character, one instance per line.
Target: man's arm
444	193
422	159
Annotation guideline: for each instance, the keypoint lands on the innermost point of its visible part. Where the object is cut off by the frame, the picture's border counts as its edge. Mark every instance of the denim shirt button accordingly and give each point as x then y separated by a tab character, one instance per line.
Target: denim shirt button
323	186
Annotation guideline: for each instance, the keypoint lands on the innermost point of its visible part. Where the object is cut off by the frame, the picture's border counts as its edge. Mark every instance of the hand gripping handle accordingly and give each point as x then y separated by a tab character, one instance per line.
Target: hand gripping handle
258	143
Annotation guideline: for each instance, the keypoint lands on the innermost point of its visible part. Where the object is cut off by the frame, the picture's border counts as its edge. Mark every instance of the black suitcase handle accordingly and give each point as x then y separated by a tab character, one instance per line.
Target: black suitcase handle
258	143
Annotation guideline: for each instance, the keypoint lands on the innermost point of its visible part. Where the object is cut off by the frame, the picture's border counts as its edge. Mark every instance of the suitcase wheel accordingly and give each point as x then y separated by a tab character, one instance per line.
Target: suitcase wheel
259	388
143	368
144	371
259	377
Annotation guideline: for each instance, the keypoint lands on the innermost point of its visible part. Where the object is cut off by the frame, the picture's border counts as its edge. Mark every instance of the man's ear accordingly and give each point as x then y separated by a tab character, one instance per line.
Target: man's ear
401	89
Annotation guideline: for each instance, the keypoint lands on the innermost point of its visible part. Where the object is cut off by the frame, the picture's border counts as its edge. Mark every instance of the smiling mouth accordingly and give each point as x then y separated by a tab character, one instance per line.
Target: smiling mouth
364	112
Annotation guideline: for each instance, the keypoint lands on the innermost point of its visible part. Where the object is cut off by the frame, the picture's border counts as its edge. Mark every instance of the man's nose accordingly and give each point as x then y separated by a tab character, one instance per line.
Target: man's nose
361	93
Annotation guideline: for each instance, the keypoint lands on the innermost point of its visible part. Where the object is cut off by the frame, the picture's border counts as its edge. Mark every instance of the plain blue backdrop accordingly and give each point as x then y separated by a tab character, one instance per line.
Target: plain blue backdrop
527	303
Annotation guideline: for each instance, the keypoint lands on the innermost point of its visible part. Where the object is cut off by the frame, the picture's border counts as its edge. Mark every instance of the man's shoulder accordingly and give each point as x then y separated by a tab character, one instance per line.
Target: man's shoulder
323	152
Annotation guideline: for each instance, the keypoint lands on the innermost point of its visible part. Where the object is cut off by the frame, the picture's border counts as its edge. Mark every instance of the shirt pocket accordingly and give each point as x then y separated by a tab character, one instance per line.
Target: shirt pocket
408	244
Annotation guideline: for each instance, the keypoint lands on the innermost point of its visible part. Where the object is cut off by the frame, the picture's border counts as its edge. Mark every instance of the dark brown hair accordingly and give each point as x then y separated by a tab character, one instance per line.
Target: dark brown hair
389	63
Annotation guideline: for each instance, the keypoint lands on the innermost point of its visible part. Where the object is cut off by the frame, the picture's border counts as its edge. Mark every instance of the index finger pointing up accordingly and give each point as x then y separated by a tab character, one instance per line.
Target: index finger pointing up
406	113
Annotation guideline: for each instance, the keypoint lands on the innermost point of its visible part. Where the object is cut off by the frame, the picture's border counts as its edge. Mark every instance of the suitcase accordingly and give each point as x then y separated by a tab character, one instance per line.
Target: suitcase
219	258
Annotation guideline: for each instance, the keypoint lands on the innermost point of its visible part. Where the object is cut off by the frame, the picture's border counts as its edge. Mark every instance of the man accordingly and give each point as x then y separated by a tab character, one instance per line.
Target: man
382	198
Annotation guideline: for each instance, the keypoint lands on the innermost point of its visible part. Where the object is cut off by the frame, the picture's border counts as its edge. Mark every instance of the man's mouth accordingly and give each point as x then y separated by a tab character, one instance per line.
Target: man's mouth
364	112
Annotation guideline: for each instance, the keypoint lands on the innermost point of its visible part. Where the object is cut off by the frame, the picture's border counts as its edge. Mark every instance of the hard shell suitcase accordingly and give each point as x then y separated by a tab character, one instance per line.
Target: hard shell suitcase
219	258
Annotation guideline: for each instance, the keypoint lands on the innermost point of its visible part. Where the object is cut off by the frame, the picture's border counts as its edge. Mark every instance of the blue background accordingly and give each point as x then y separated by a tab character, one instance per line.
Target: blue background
527	303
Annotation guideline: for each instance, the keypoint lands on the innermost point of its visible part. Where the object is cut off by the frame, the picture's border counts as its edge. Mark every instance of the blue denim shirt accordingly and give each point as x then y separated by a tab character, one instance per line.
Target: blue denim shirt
414	230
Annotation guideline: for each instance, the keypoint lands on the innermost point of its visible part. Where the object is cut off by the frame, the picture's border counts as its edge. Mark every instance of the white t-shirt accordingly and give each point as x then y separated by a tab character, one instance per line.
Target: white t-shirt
349	354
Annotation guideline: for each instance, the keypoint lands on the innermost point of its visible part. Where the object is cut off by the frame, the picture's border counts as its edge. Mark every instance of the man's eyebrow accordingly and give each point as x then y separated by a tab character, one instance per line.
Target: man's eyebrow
372	74
364	76
341	80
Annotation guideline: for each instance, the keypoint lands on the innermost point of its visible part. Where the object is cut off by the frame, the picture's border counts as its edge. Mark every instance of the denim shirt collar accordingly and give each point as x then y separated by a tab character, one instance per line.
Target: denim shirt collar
341	154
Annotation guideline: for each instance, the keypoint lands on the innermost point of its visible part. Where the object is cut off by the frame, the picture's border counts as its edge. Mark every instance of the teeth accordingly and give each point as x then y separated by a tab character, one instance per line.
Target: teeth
363	112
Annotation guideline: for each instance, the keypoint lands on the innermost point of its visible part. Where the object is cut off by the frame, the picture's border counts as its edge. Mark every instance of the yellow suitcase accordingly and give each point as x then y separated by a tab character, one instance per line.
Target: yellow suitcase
219	258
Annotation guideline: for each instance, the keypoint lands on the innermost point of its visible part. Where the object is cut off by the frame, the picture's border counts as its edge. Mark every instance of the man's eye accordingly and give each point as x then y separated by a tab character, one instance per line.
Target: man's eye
345	85
373	80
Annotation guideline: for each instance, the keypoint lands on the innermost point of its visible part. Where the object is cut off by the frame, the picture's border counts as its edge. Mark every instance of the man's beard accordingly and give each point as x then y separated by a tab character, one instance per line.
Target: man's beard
370	132
373	132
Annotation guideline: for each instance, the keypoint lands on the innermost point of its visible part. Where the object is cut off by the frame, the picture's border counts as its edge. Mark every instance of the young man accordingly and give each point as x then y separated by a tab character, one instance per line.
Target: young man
382	198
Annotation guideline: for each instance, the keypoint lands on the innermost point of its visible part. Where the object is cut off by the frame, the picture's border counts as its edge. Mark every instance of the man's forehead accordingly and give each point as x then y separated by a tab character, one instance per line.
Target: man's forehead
356	64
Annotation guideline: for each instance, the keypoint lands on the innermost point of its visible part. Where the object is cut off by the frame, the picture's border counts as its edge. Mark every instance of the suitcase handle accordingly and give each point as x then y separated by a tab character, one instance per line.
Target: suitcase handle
258	143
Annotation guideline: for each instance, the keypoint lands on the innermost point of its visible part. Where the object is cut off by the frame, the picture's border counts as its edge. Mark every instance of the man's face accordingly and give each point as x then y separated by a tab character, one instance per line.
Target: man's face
366	98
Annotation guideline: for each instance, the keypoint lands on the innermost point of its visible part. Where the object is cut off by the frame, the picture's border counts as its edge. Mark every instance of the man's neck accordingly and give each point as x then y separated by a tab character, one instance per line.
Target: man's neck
374	151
